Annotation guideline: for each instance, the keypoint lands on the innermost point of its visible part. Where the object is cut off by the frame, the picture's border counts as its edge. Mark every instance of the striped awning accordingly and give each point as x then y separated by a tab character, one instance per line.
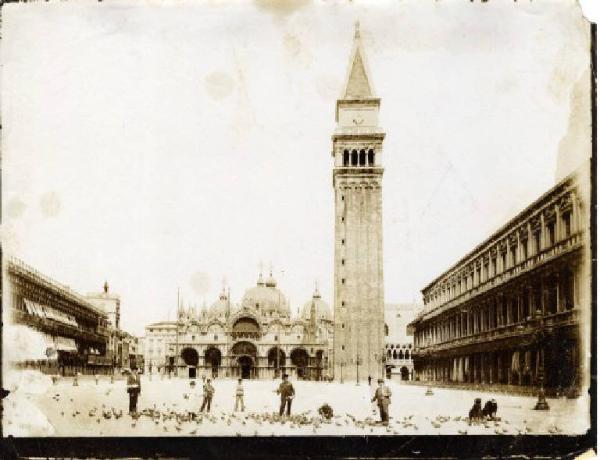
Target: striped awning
65	344
23	343
44	311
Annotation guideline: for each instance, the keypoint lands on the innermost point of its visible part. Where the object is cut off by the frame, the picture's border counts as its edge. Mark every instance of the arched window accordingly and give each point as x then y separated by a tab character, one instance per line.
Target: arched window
354	158
346	157
389	353
362	157
371	157
395	354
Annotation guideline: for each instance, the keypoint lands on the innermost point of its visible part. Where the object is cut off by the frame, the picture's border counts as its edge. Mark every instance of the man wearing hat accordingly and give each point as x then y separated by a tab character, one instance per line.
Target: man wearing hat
383	397
134	388
287	392
209	391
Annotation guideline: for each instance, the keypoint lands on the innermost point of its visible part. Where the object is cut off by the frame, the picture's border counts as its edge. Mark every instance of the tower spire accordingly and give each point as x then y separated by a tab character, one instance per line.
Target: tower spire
358	81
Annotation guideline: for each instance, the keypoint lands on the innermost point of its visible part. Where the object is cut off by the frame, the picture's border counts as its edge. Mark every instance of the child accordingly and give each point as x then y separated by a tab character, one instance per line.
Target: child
239	396
192	399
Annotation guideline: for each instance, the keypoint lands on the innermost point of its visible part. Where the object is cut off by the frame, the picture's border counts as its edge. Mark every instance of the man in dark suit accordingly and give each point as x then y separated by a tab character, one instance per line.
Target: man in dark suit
134	388
287	392
383	397
209	391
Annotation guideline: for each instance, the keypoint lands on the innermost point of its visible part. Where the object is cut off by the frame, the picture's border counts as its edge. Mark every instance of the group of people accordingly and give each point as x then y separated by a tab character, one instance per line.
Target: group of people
285	391
488	412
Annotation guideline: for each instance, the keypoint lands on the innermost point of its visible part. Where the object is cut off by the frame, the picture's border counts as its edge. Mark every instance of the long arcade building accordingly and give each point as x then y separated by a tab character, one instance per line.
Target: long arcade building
512	311
51	327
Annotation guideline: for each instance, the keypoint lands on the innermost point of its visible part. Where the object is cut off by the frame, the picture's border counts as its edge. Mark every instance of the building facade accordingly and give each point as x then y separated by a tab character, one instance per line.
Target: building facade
258	338
50	327
398	343
513	311
358	259
118	340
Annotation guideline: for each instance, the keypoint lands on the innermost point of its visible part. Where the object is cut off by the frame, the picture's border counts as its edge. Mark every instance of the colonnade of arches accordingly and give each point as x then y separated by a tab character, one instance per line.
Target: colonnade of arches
244	361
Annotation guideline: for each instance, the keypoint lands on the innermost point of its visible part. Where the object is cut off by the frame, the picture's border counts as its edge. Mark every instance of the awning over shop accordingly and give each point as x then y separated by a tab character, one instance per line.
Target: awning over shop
44	311
65	344
23	343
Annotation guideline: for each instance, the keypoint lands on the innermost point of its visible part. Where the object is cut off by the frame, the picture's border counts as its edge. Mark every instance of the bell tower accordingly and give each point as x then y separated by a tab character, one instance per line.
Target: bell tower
358	264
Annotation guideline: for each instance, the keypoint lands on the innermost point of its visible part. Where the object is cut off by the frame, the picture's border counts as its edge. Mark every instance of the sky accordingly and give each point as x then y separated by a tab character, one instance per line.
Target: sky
178	145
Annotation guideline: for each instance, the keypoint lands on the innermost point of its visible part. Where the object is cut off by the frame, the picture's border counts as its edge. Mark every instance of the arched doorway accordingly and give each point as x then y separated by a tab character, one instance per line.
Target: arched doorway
388	372
404	373
299	358
245	357
190	358
276	360
246	366
212	359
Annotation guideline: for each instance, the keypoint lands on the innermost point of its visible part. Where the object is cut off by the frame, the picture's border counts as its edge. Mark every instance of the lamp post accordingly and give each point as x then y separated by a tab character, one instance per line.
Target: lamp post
541	404
358	362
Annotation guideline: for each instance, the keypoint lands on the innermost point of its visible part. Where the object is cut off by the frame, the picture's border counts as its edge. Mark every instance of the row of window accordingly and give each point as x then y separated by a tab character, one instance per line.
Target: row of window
494	265
550	296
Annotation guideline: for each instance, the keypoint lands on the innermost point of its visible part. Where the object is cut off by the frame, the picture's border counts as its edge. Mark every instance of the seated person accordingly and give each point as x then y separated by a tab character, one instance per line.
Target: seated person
475	414
490	409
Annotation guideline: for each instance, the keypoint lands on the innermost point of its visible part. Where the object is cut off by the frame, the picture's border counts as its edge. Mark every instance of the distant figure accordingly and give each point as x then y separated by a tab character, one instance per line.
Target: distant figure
287	392
209	391
475	414
193	398
383	397
134	388
239	396
490	409
369	379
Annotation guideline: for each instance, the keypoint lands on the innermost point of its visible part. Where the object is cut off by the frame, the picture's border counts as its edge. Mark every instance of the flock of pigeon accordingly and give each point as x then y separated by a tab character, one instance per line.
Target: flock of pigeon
178	421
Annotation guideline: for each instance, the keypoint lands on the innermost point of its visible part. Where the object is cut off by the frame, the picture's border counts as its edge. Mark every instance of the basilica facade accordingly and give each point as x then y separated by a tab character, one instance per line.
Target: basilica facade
257	338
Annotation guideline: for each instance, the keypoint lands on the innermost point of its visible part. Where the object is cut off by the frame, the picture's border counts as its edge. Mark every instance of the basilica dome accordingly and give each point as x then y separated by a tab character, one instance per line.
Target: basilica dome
322	311
266	299
220	308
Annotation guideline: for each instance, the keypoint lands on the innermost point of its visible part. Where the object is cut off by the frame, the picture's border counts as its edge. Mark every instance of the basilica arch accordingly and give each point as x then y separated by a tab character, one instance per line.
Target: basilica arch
299	357
274	361
245	327
190	358
244	355
212	360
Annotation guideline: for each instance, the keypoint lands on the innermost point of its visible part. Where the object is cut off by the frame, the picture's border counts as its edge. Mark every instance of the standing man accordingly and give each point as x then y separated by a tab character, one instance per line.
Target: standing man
287	392
207	396
369	380
134	388
383	397
239	396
